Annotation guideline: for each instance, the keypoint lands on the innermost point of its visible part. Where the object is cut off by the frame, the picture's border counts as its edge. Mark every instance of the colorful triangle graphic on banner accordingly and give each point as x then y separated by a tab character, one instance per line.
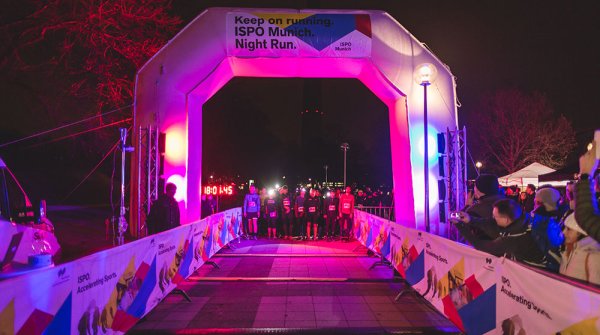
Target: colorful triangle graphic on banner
416	271
184	269
587	327
322	36
207	241
479	316
7	319
61	324
138	306
36	323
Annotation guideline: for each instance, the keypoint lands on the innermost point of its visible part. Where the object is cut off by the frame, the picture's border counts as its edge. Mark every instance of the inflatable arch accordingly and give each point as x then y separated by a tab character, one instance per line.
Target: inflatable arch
222	43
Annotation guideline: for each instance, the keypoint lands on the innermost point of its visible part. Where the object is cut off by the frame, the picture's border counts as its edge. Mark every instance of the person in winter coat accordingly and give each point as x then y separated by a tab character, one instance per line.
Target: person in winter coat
514	238
581	255
486	194
545	225
587	213
529	202
164	212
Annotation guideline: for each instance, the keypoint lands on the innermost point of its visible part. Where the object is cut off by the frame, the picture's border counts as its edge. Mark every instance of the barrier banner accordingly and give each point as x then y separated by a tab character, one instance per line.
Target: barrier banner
39	302
108	292
484	294
531	303
407	253
373	232
174	257
113	289
298	34
461	283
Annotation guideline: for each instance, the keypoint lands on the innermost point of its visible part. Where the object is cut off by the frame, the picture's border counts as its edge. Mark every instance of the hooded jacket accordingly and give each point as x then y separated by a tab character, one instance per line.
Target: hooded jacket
583	262
547	233
515	241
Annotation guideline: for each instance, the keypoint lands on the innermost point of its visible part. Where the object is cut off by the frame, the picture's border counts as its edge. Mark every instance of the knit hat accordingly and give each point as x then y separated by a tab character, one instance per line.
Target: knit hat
487	184
549	197
572	224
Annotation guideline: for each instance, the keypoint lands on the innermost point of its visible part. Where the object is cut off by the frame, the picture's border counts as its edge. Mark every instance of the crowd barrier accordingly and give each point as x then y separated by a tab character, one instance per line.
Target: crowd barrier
478	292
108	292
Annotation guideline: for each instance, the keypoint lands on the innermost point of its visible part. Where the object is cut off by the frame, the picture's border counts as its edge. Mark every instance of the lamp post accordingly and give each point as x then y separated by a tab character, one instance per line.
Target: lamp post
425	75
478	165
345	147
326	167
122	223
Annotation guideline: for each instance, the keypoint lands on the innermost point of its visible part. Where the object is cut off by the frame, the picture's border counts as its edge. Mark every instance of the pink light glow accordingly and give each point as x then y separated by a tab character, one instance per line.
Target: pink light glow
175	146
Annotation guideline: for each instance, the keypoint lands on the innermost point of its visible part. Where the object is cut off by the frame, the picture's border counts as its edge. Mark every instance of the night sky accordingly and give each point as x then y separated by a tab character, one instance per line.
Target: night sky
488	45
551	47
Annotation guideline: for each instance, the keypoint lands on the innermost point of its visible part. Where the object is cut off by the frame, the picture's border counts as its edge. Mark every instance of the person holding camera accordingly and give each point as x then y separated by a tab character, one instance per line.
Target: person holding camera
514	235
486	193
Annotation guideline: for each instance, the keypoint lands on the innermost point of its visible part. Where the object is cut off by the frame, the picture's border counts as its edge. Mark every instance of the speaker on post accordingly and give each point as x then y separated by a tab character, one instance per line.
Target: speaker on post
441	143
161	186
442	189
442	208
441	166
162	143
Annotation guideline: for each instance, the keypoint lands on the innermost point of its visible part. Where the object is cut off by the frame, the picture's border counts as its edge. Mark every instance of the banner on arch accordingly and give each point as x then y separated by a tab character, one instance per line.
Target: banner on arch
298	34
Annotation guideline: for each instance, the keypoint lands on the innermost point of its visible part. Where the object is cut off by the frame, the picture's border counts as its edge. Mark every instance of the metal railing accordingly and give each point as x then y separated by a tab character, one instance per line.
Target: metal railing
383	212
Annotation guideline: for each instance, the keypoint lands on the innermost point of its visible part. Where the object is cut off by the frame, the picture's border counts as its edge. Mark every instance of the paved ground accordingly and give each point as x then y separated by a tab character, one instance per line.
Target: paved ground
293	287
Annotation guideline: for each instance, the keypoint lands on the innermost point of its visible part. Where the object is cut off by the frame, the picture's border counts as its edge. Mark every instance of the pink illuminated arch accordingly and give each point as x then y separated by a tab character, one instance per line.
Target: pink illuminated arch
173	86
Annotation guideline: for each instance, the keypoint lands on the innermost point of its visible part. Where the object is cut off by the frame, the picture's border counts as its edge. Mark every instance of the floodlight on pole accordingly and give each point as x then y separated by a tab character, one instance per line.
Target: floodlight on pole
478	165
345	147
424	75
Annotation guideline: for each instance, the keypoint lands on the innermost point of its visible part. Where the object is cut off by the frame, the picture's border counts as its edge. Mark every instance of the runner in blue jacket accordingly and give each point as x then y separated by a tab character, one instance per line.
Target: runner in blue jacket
251	210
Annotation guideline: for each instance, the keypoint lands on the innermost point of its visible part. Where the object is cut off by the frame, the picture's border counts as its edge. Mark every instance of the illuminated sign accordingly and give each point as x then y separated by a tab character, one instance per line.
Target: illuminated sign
217	190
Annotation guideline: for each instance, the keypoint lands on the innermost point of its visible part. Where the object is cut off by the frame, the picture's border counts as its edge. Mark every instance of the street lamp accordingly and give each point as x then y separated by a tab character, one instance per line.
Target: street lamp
478	165
326	167
345	147
425	75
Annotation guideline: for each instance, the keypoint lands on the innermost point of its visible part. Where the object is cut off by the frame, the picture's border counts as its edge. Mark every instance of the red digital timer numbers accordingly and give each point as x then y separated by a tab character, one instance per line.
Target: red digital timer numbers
218	190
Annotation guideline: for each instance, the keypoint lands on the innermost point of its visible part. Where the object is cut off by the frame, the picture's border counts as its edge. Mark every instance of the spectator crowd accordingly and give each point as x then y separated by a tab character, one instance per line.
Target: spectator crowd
541	227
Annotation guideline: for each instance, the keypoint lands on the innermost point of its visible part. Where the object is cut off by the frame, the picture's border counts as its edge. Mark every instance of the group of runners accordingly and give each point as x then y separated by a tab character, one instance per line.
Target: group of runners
304	215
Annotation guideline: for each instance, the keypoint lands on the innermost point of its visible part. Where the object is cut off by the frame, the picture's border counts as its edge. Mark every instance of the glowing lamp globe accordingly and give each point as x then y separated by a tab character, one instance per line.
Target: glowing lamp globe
181	185
425	74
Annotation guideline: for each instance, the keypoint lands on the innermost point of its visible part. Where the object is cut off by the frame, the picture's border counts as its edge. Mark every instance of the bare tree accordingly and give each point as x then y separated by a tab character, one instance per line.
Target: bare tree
514	129
77	58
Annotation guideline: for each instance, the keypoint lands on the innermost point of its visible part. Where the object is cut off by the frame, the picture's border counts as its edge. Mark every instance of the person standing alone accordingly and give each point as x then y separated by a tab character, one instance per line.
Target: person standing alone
164	213
251	211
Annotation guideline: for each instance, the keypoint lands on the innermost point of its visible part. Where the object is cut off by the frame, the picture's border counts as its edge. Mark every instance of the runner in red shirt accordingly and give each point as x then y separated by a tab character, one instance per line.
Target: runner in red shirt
346	213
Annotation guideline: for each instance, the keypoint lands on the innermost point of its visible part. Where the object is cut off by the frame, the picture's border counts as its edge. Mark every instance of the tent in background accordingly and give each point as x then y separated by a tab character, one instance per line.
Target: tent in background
560	177
525	176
